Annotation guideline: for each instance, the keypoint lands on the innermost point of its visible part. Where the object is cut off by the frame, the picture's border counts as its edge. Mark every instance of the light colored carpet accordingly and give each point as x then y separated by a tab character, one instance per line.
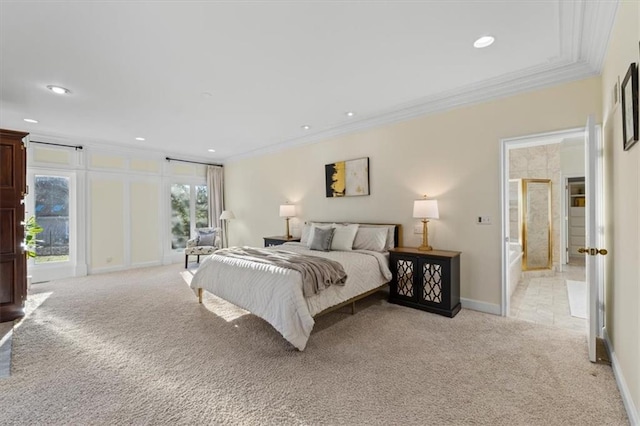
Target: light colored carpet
136	348
6	329
577	291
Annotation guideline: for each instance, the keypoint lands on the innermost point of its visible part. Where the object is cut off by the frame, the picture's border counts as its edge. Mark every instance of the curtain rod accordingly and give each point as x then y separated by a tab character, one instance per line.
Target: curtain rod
194	162
76	147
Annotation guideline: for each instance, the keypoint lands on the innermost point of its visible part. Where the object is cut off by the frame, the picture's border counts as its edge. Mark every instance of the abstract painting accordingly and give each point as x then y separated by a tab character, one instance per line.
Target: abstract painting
347	178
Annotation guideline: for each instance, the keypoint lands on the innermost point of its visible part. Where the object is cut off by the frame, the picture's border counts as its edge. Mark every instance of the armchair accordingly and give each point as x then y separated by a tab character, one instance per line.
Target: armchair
206	241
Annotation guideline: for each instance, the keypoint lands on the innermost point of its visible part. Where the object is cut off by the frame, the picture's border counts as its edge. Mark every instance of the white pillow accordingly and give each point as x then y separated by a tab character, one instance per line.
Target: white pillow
311	233
373	239
390	231
304	235
343	236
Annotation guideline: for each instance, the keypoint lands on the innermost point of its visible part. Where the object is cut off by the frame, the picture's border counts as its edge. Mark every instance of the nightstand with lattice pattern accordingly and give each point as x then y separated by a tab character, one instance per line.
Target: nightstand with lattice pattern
427	280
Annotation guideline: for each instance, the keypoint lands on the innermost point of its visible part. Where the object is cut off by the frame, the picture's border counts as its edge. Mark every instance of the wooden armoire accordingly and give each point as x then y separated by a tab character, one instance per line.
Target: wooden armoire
13	188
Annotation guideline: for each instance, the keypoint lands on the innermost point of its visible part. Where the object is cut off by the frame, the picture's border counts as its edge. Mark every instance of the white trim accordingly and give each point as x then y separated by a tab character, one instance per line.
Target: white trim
627	399
597	26
477	305
505	145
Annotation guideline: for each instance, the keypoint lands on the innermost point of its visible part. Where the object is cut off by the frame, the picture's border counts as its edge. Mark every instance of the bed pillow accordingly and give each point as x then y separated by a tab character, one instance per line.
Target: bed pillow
312	230
343	236
321	239
390	243
373	239
305	234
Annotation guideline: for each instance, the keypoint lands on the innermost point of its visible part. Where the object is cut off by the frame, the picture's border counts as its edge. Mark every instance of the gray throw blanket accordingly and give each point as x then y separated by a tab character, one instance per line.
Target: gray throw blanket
317	273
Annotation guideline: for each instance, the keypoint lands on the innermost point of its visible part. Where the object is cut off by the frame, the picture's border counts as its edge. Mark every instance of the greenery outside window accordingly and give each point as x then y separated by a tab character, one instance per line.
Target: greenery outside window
189	205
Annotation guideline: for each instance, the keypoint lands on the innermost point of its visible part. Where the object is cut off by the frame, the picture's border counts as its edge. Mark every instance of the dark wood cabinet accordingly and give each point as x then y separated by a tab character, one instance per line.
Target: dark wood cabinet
276	241
13	188
427	280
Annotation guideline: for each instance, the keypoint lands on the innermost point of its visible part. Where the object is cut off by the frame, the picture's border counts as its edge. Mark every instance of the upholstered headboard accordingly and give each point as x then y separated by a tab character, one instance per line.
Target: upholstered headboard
397	228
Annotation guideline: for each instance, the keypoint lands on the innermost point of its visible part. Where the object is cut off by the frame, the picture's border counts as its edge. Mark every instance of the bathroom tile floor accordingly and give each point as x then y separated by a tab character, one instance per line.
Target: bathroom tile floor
544	300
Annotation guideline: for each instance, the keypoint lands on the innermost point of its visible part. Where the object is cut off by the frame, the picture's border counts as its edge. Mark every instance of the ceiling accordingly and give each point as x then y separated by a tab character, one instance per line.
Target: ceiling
244	77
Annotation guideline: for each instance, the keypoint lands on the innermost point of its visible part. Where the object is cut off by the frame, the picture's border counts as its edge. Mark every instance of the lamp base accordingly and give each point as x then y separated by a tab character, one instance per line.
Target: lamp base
425	237
286	234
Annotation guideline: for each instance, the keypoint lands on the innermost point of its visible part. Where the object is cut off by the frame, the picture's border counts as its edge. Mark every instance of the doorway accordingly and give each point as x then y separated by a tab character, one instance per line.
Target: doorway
541	286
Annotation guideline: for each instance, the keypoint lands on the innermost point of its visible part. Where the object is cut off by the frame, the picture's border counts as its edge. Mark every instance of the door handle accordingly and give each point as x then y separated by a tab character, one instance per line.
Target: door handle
593	251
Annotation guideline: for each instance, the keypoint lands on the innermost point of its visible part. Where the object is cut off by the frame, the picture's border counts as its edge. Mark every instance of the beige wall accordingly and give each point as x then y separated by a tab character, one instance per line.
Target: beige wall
107	223
623	213
453	156
146	237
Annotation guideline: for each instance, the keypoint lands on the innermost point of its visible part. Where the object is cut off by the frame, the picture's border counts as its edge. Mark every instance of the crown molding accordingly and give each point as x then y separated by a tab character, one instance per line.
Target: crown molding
506	85
597	25
584	31
102	146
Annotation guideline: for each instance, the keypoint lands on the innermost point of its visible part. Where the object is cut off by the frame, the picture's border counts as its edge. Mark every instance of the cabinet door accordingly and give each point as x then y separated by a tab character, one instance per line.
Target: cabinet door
433	282
404	272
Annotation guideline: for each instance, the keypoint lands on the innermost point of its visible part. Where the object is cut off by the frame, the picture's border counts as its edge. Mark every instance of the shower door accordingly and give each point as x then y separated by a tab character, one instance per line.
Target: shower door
536	216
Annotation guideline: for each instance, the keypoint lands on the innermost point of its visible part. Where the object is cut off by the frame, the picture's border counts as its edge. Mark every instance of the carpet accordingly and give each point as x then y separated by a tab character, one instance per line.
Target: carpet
135	347
577	292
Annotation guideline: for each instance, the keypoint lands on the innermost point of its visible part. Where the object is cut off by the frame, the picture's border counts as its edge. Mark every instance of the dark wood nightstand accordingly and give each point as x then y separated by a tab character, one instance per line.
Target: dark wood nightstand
276	241
427	280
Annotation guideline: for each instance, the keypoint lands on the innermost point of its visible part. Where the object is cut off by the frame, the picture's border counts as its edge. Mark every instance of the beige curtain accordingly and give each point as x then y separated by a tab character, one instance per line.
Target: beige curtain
215	183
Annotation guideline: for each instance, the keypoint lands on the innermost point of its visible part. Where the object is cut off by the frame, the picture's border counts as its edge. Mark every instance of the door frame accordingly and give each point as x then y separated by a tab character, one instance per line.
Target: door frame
523	142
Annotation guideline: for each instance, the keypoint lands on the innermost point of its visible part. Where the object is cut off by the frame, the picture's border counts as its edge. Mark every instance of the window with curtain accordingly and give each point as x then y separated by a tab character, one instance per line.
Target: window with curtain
189	205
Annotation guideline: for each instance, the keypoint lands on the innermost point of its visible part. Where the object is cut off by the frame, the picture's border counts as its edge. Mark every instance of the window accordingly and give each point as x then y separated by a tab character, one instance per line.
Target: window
189	205
52	214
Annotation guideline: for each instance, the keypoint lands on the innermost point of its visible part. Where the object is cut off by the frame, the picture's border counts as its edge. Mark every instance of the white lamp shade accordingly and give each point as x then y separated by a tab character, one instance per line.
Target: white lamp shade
227	214
287	210
425	209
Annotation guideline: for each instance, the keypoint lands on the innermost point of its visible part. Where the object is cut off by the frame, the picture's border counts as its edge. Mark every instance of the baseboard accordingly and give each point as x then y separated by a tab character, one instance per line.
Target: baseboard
476	305
627	400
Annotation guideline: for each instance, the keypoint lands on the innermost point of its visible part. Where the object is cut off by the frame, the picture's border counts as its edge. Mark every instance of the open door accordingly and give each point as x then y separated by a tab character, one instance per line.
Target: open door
594	235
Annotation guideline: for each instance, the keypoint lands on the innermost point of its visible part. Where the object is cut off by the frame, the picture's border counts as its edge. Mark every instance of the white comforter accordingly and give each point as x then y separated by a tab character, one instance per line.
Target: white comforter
275	293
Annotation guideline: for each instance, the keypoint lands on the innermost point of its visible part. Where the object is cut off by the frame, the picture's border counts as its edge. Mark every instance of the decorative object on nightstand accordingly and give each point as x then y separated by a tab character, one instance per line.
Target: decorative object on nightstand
425	209
287	211
278	240
425	280
226	216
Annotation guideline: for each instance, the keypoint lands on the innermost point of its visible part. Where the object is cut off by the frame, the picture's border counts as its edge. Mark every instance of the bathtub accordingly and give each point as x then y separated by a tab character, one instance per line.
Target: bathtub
515	266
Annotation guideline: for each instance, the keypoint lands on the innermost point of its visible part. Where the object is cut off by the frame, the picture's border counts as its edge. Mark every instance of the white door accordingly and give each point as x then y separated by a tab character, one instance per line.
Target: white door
594	250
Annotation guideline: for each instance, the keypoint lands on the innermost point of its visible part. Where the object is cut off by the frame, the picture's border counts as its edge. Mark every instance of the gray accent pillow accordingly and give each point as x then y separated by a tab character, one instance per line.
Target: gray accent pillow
322	239
206	237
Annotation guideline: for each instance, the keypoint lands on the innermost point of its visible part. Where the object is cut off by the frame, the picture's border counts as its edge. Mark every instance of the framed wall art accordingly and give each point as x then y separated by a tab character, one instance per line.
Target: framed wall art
347	178
629	99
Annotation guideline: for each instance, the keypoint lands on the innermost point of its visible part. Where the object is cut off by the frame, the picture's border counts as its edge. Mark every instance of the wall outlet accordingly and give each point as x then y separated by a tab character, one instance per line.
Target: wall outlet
483	220
417	229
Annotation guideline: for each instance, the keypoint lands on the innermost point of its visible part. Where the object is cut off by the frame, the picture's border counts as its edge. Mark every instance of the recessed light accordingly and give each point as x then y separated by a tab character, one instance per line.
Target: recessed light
140	139
30	120
483	41
306	127
350	113
211	150
59	90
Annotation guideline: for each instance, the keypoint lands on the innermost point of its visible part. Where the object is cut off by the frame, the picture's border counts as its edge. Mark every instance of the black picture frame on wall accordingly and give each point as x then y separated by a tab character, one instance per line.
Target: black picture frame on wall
629	89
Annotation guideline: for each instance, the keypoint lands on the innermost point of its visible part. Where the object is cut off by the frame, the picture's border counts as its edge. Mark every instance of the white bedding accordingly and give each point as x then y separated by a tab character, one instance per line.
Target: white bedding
275	293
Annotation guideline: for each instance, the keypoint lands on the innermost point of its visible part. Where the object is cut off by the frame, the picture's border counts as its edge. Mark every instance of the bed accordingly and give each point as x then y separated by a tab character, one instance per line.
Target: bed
275	293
